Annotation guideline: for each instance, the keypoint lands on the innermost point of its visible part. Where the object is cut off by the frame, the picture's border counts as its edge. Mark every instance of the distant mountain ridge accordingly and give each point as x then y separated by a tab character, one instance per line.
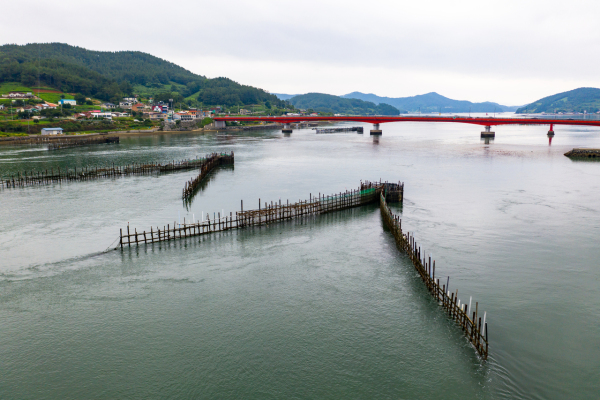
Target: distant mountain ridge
431	102
426	103
338	105
577	100
283	96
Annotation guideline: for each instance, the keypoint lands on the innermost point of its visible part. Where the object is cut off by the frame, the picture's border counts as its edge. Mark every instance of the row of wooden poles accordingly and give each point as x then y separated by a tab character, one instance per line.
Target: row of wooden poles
29	178
265	214
211	161
474	328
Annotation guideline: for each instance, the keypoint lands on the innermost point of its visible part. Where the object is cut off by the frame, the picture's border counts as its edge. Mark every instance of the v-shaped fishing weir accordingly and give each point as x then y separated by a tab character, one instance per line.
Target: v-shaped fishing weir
369	192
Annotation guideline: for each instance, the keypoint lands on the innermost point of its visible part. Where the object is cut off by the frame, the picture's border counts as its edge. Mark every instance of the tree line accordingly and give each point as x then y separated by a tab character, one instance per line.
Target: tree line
109	76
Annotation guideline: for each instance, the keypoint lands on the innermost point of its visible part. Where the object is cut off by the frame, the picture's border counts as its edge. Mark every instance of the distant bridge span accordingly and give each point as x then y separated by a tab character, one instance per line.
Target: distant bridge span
376	120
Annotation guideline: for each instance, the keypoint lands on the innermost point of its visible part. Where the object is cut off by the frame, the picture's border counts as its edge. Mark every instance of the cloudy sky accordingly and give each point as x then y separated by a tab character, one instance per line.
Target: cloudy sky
511	52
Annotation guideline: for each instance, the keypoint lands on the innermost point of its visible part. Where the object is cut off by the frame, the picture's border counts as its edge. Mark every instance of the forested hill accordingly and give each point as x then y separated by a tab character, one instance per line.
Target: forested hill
338	105
431	102
577	100
112	75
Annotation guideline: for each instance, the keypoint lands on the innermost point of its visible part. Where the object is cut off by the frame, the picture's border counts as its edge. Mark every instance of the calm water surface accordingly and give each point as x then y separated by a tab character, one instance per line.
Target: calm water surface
325	307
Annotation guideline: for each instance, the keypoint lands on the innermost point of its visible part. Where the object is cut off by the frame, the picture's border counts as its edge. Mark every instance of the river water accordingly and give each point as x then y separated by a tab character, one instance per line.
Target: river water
326	307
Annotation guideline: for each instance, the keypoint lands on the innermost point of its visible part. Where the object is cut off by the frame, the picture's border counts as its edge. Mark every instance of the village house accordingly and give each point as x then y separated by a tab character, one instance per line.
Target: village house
120	115
27	109
153	116
130	99
101	114
203	113
18	95
109	106
184	116
139	107
67	101
125	105
1	106
52	131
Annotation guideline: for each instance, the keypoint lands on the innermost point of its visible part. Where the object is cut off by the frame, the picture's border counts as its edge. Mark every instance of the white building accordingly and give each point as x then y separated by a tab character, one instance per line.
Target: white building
125	104
18	95
67	101
105	115
120	115
52	131
185	116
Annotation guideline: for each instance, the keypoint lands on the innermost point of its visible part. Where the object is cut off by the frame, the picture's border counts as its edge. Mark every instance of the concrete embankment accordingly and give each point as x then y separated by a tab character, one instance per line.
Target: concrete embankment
39	139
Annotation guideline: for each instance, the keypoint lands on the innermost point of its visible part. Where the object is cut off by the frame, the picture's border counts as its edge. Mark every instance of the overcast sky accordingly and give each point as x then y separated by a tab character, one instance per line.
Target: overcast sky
511	52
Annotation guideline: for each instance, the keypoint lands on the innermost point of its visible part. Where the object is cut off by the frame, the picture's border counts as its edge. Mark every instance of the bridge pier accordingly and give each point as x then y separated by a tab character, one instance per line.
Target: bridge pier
287	128
376	130
220	124
551	131
488	133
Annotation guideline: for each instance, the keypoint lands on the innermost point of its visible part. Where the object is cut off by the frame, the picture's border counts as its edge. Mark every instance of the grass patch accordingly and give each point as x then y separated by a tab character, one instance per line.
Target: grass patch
7	87
35	88
54	97
146	91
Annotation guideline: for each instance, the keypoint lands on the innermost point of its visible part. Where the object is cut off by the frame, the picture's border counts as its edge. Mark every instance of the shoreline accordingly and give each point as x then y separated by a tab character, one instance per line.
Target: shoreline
39	139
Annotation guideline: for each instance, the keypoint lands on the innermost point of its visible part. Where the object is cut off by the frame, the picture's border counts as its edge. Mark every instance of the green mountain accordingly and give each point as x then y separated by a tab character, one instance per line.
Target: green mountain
578	100
431	103
112	75
338	105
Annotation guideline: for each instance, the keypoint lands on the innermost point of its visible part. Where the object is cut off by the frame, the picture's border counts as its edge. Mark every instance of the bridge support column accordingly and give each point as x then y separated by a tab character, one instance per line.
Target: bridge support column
488	133
287	128
551	131
220	124
376	130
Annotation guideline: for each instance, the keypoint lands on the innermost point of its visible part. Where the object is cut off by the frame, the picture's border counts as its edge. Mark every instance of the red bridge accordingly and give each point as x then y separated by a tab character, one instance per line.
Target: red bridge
376	120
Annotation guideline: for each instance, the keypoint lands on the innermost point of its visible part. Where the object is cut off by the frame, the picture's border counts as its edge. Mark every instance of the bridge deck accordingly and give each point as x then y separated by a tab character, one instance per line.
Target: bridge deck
487	121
